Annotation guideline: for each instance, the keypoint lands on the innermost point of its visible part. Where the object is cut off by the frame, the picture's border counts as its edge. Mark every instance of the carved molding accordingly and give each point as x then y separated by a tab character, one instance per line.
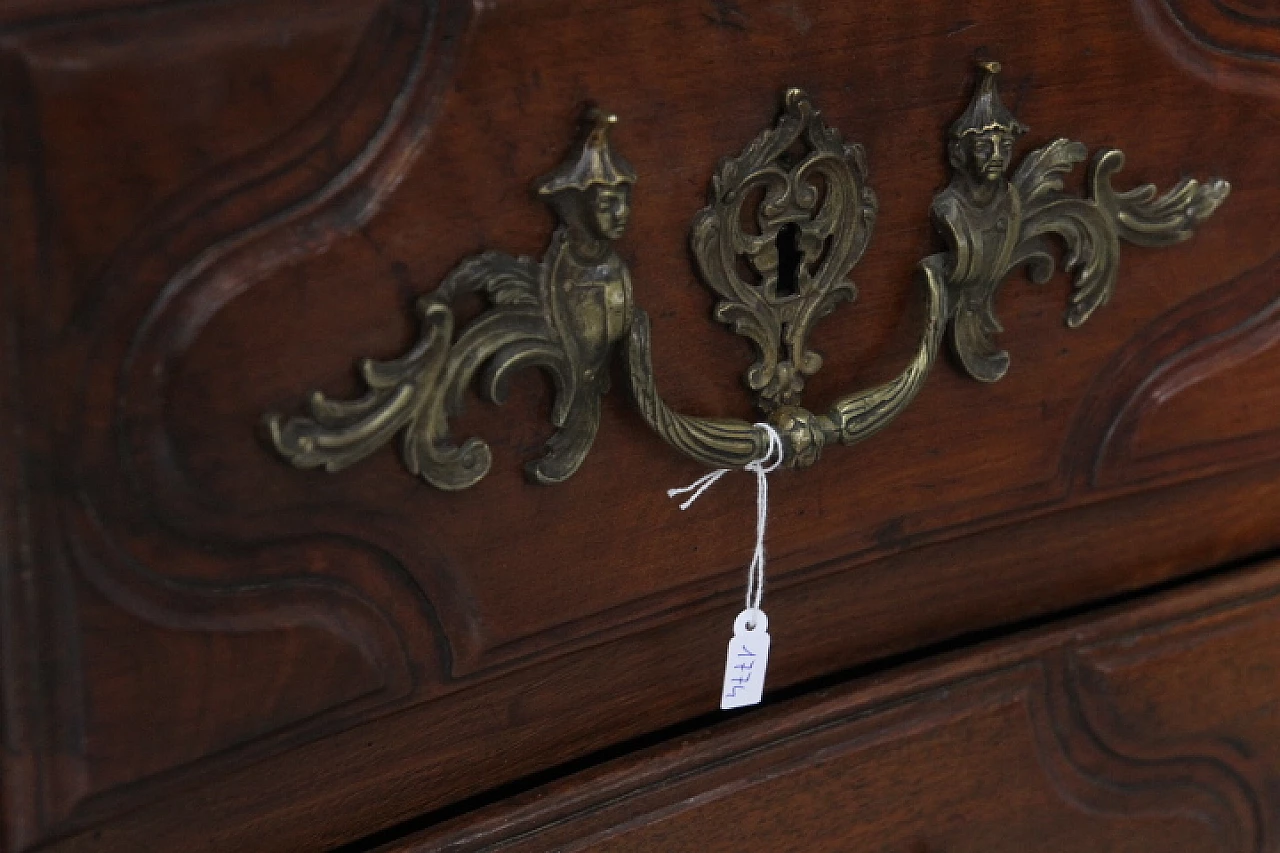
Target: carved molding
1232	45
1091	759
314	184
187	265
1211	334
1107	772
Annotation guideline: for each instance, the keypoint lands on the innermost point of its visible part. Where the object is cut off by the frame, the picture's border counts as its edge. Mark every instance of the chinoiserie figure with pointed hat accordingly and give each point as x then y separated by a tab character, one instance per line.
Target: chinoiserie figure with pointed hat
994	223
591	193
982	140
563	314
980	209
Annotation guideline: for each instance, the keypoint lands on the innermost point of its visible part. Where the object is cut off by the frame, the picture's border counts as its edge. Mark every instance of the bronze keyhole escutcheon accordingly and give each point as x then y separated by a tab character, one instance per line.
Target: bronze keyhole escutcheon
786	221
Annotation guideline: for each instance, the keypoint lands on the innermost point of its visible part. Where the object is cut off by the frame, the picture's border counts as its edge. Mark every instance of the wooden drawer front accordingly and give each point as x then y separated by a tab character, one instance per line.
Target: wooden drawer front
212	208
1153	728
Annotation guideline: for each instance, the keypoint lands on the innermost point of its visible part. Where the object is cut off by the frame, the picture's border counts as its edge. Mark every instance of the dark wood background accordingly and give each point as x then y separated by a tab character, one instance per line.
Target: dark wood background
1147	727
211	208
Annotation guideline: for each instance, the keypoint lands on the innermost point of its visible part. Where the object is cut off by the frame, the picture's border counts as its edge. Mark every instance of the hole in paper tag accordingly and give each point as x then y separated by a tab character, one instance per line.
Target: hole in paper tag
745	664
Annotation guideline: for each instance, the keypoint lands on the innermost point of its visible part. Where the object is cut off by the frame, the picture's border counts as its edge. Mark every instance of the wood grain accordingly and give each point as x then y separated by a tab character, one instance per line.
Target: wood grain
1150	728
214	207
1233	43
1168	394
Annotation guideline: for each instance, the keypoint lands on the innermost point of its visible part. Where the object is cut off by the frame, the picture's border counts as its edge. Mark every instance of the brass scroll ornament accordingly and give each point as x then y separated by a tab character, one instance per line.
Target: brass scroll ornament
993	224
786	222
563	314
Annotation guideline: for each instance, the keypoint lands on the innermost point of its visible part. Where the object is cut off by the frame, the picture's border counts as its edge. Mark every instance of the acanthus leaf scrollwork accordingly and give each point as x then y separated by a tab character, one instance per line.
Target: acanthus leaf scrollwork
834	218
806	190
993	224
787	220
563	315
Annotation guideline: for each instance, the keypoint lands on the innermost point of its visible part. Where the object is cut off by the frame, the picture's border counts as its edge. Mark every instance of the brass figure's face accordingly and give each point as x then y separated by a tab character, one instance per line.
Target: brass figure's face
609	209
989	154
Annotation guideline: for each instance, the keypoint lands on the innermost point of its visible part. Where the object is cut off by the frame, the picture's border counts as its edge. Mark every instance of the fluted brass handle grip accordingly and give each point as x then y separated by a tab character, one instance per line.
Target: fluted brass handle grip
717	442
804	196
731	443
812	218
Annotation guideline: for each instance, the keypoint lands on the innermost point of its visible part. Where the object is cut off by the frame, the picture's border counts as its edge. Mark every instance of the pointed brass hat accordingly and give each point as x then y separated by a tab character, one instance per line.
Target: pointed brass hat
986	112
596	163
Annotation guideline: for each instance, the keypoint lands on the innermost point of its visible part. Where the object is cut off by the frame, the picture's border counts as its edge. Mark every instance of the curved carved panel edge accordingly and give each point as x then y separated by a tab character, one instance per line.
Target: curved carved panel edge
1216	43
292	200
1087	768
1108	772
1212	332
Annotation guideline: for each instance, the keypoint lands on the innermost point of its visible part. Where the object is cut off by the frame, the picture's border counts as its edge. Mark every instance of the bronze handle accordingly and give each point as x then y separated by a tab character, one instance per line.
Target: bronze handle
830	222
730	443
568	312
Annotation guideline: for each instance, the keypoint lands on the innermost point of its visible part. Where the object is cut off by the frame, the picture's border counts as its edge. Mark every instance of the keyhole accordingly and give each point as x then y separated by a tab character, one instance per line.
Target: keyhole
788	260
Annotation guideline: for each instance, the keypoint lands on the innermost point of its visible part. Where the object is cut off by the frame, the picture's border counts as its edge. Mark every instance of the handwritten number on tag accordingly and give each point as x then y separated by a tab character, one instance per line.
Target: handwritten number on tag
747	659
749	649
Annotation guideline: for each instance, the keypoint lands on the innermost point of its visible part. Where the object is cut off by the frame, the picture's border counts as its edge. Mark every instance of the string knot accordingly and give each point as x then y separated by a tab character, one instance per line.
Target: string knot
762	467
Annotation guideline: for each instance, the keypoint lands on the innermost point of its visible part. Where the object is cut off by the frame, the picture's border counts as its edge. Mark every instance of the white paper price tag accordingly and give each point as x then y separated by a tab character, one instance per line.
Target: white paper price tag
748	657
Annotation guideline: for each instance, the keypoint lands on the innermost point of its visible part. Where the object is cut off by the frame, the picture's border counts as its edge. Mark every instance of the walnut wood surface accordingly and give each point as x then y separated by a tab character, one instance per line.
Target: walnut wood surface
1153	727
211	208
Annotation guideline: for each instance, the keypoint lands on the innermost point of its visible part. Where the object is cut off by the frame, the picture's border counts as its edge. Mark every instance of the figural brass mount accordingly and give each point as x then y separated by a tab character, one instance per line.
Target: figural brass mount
786	222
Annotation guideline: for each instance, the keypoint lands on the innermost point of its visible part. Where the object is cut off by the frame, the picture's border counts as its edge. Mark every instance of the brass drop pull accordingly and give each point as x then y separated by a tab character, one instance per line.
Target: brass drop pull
807	185
806	196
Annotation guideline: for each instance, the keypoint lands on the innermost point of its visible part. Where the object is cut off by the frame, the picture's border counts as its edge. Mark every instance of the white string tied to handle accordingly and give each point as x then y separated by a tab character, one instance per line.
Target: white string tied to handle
747	657
761	467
